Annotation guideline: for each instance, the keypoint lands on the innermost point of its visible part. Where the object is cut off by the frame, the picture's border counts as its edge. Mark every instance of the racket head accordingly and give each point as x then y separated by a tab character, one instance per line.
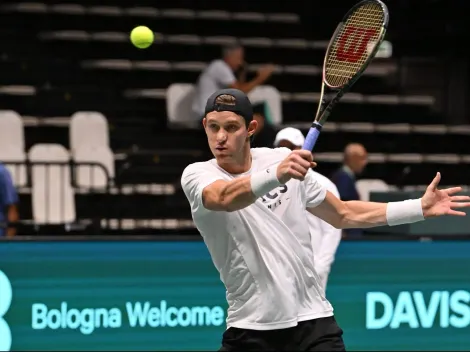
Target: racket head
355	43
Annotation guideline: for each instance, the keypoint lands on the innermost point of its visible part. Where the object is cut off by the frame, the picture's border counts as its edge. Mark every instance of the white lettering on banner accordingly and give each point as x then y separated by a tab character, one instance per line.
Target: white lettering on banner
86	320
6	295
138	314
411	310
171	316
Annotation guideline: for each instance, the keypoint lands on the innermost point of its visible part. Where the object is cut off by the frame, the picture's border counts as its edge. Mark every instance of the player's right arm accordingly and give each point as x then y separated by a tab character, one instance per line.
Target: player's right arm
228	195
205	189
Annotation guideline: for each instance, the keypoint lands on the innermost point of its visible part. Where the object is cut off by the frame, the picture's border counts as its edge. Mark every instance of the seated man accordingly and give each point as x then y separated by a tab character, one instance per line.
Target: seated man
354	162
220	74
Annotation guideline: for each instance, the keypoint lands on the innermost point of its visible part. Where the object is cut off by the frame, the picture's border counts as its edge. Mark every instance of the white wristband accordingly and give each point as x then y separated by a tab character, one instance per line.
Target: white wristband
264	181
405	212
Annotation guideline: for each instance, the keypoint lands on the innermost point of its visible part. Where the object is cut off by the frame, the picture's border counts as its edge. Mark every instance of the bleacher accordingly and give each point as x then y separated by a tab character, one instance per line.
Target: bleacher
65	58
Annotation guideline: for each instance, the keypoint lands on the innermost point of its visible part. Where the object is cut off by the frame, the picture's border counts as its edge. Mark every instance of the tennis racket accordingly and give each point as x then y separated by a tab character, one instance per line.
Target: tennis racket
351	49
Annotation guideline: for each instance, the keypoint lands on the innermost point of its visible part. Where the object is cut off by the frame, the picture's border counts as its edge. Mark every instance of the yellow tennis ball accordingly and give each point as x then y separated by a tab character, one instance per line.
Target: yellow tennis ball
142	37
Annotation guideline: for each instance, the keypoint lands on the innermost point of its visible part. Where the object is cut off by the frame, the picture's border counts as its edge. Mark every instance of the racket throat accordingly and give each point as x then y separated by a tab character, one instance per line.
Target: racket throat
317	126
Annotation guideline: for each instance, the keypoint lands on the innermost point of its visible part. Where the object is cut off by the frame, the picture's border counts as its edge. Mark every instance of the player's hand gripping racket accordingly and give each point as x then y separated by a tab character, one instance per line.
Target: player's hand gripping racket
351	49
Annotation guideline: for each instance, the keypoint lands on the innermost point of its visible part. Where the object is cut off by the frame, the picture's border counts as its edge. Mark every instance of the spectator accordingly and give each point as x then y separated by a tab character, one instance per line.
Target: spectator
355	160
8	203
221	74
324	237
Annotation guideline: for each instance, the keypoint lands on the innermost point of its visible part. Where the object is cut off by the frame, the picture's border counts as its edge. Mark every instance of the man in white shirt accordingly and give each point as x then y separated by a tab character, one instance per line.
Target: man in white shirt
324	237
249	206
220	74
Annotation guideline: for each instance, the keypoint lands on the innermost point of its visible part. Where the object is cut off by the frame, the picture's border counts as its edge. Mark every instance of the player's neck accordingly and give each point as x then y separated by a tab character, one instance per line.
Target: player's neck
239	164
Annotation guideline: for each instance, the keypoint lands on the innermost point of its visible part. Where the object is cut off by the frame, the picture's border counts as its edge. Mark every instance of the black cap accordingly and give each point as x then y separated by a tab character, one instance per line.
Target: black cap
242	105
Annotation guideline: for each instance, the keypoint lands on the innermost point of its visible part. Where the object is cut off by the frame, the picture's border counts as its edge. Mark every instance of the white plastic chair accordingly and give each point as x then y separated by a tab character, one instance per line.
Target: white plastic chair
88	128
366	186
12	145
52	193
179	99
18	172
11	129
272	97
94	177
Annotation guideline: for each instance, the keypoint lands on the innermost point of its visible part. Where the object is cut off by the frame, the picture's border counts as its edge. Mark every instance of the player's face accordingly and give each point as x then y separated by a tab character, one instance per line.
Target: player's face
227	134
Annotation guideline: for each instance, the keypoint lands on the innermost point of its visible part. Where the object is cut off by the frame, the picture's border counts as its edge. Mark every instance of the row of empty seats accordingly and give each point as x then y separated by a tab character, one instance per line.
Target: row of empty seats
304	97
129	74
89	143
199	48
147	12
179	99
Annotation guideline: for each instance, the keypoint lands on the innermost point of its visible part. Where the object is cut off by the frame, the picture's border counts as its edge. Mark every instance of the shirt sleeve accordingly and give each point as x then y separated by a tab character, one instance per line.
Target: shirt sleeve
194	179
315	193
331	187
8	190
223	74
331	237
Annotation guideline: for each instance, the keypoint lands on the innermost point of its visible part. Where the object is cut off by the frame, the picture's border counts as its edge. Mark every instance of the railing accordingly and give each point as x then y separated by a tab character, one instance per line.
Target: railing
51	186
81	198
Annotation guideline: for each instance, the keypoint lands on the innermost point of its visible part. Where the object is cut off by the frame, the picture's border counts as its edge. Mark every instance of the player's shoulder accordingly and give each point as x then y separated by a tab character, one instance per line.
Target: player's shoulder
326	182
275	154
198	168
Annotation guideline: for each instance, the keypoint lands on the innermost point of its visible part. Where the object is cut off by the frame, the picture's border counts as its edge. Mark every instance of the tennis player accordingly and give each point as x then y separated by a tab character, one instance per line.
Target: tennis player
324	237
249	206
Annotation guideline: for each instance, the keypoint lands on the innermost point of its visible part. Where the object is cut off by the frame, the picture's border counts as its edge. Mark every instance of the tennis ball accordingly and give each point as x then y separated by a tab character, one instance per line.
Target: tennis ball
142	37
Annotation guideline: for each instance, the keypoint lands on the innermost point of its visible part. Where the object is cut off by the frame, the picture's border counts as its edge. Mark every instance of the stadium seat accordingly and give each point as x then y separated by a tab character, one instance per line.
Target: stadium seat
272	97
94	177
88	128
11	130
15	162
52	193
179	97
79	58
365	187
12	146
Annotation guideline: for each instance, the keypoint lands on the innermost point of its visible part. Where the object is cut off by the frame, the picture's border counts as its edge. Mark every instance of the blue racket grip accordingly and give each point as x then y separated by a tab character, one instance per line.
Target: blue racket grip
312	136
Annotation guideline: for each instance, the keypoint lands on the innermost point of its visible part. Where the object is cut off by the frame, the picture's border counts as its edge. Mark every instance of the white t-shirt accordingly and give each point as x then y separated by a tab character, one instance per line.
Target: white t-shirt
325	238
262	252
218	75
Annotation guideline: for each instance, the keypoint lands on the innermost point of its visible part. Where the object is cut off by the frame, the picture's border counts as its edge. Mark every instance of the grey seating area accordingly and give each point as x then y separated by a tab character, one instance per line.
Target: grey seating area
70	56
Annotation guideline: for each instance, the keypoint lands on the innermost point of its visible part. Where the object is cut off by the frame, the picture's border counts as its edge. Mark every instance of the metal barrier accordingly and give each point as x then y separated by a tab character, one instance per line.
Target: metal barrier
52	186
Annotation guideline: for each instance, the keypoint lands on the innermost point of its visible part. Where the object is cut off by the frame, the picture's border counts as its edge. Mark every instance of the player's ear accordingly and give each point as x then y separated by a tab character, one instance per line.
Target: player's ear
204	122
252	126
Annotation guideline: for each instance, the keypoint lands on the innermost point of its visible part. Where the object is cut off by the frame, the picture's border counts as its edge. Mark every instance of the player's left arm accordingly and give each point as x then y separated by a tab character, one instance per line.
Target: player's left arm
330	239
358	214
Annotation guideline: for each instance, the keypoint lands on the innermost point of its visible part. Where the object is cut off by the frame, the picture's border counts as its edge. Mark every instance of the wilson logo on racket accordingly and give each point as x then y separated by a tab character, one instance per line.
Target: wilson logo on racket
353	50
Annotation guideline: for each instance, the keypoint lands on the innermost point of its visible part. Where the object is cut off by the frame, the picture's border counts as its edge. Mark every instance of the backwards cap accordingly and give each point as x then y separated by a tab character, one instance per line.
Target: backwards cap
242	105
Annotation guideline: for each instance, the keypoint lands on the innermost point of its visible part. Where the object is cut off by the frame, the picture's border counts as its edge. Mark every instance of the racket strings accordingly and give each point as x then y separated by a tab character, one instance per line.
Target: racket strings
354	43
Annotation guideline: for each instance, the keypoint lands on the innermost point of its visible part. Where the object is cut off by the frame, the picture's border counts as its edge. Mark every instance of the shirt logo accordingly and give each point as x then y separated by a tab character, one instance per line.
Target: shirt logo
274	198
6	294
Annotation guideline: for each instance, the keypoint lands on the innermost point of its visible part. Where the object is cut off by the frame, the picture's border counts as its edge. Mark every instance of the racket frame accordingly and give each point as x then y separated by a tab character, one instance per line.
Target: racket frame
325	107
